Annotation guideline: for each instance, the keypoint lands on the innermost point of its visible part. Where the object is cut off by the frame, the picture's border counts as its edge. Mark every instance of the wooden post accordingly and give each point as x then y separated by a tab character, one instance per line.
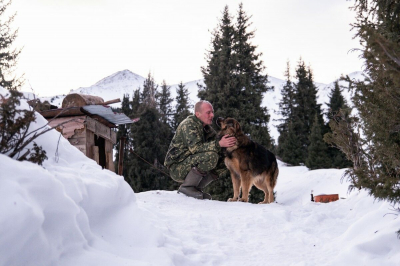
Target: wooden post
110	162
95	150
121	155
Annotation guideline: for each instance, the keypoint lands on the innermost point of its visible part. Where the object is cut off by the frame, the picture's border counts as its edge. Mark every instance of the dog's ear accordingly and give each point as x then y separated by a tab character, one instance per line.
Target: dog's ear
237	126
219	121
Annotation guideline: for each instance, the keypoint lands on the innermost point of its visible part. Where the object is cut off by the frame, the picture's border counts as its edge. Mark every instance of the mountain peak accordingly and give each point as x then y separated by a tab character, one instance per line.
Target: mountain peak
123	75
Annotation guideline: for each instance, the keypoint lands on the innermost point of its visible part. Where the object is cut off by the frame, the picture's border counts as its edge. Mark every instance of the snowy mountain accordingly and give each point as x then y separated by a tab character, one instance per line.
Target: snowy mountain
125	82
71	212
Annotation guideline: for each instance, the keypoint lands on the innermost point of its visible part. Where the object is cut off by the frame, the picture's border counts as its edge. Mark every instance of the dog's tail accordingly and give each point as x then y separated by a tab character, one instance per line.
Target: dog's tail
274	173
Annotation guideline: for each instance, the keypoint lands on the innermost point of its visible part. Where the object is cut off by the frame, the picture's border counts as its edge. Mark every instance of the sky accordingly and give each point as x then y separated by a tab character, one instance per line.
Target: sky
69	44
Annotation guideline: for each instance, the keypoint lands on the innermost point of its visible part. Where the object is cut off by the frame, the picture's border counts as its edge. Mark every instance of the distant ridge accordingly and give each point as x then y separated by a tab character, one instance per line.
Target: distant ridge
125	82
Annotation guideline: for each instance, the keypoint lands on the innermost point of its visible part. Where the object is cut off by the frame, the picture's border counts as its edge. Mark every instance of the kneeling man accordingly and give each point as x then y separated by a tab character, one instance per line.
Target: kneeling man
194	156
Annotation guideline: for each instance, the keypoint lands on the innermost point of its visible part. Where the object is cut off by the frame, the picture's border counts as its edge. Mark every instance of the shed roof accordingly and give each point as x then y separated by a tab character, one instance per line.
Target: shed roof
107	113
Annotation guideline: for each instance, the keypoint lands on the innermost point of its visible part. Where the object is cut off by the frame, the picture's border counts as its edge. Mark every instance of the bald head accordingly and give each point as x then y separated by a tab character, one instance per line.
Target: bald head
204	111
199	104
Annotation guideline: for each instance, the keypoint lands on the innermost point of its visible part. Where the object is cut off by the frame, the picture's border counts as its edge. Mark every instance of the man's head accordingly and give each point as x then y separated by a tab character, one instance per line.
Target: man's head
204	111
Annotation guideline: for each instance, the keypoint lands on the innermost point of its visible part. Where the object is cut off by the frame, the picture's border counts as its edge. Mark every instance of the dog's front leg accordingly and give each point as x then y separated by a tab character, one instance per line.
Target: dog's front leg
246	186
236	186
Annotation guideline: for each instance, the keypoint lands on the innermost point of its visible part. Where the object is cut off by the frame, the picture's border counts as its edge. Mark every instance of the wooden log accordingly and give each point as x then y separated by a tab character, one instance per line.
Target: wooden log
112	101
79	100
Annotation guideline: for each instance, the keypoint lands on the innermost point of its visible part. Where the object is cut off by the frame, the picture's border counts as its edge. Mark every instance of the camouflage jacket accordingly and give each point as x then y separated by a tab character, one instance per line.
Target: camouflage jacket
191	138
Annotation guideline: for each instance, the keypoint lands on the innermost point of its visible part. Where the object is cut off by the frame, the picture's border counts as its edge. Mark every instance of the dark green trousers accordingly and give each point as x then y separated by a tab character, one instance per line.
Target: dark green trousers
205	161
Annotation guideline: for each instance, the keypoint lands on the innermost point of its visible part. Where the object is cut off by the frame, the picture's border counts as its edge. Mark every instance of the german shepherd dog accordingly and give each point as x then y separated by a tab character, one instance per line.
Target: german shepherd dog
249	163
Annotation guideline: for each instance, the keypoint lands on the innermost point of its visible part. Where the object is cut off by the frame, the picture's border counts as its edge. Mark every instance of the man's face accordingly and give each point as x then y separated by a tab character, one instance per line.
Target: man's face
206	114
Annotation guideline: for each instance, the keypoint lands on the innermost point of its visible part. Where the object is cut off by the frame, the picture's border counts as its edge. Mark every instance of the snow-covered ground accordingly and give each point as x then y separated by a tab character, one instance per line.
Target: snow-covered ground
71	212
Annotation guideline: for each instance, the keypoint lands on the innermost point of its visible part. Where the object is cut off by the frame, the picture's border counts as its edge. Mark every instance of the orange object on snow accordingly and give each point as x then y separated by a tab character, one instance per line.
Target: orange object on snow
326	198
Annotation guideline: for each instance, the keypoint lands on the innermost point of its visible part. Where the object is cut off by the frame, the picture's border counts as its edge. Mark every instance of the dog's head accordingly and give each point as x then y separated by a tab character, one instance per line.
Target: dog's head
228	126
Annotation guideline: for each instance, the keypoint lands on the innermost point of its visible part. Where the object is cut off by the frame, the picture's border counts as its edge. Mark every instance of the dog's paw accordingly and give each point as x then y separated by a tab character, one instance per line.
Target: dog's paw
243	200
232	199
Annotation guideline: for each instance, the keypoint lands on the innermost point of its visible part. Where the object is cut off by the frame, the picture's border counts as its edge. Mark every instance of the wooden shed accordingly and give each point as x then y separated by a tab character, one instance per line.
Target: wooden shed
87	122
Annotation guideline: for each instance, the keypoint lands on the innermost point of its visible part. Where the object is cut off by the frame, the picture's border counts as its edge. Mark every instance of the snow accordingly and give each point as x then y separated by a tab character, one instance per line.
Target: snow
71	212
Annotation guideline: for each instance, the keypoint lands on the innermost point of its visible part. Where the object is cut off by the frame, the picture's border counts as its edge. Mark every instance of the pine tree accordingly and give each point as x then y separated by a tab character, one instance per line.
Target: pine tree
182	105
8	54
317	150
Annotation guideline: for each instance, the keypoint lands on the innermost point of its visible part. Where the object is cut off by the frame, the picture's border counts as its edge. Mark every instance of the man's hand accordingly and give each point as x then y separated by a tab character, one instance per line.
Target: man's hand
227	141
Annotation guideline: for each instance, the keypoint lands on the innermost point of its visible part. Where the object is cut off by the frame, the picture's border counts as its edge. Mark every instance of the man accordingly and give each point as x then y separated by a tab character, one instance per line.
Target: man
194	157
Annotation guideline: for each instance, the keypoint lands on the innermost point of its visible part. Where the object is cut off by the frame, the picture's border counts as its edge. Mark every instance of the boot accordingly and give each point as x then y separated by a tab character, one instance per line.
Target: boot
190	183
205	181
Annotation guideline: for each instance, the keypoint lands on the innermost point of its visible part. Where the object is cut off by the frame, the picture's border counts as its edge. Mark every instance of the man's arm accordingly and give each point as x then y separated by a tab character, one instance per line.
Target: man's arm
194	140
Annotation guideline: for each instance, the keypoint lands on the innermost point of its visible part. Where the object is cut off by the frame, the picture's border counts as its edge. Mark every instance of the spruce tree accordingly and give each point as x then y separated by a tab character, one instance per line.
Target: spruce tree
336	103
123	132
306	107
164	101
182	108
148	142
235	84
286	110
291	147
336	99
220	89
148	93
251	82
17	140
377	101
8	54
317	150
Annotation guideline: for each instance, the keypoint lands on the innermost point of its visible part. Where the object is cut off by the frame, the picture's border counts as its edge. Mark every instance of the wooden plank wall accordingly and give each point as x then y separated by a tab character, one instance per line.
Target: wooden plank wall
89	143
101	130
